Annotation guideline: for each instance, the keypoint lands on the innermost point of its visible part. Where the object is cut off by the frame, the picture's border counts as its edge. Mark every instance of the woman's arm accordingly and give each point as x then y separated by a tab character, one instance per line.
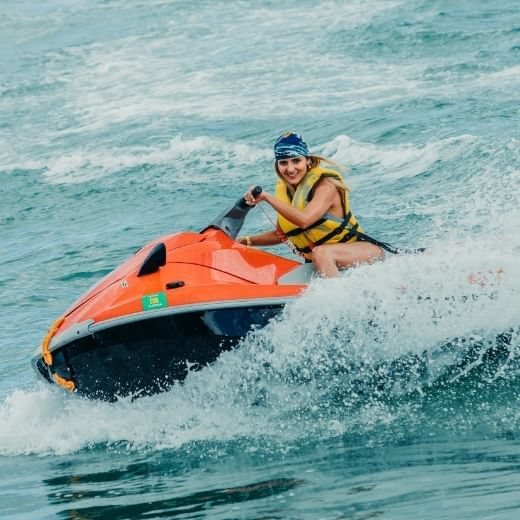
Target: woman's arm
269	238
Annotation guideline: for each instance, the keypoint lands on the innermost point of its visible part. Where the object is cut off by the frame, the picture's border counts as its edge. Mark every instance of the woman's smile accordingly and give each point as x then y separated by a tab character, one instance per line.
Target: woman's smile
293	169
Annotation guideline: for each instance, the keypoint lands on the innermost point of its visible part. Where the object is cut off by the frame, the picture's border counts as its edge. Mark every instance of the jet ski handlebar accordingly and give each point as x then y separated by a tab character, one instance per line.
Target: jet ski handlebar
232	220
242	202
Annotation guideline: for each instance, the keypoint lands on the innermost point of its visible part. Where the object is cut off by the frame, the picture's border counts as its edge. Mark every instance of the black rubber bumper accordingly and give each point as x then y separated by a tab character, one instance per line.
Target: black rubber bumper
149	356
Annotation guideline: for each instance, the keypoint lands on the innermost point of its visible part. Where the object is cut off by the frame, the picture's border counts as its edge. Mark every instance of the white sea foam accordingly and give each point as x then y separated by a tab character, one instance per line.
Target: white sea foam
137	79
397	161
211	154
471	185
45	421
153	79
504	78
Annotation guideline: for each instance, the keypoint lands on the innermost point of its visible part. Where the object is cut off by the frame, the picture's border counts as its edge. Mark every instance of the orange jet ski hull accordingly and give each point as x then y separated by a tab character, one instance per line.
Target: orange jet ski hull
138	332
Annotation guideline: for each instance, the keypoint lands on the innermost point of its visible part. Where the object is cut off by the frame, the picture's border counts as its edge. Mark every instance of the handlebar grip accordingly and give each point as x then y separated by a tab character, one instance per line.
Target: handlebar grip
241	203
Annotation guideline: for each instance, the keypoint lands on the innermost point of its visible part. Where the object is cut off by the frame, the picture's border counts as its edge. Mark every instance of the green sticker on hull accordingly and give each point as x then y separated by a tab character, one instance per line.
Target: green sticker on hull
154	301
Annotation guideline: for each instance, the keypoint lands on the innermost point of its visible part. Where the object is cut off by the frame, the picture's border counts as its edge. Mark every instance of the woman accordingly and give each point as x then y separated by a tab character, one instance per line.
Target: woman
313	211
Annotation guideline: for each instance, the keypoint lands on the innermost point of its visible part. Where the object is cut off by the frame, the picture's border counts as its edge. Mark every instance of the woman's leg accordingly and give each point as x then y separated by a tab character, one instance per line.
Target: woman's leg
329	257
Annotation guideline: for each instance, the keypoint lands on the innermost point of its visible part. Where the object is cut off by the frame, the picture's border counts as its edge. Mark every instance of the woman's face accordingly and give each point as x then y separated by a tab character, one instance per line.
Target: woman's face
293	170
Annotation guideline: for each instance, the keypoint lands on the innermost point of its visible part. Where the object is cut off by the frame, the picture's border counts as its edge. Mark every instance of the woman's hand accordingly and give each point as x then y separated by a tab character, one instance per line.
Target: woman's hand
246	240
250	199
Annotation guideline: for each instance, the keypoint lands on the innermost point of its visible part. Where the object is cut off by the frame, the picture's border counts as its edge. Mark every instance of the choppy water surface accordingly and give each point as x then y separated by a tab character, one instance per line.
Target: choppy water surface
390	393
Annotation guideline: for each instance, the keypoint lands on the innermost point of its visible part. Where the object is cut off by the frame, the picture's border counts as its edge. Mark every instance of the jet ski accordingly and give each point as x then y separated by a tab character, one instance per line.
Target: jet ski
174	306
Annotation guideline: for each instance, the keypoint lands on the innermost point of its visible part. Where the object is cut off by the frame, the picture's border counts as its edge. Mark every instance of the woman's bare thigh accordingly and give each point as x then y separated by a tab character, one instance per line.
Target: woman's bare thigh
347	255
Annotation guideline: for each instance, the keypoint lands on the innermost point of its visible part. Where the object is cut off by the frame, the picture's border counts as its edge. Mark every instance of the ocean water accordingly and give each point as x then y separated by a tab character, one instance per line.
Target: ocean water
121	121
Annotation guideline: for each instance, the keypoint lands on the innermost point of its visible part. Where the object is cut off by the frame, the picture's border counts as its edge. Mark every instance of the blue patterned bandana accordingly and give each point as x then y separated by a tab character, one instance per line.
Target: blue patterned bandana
290	145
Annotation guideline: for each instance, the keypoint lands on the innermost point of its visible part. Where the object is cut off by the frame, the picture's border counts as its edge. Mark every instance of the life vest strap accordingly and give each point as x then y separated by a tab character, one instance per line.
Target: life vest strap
297	231
337	231
390	248
304	249
352	232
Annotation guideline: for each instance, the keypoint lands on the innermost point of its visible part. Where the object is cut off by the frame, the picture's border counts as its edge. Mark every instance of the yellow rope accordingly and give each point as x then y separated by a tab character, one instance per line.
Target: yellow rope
47	355
68	385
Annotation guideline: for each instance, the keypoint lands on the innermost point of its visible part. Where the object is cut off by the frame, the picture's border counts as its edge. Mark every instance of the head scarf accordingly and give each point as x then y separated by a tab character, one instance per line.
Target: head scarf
290	145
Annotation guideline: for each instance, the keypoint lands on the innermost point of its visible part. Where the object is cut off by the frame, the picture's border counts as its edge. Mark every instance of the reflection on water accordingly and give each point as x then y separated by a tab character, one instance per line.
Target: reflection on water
346	479
155	487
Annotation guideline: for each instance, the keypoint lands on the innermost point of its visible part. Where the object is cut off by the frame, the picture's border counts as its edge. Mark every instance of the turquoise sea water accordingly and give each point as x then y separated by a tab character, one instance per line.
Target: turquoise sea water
121	121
